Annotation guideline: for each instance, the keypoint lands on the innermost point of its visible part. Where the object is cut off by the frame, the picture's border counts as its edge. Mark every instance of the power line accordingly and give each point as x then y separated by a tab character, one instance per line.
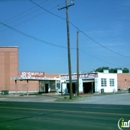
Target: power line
6	21
52	44
47	10
103	46
39	40
29	36
81	31
26	15
78	30
98	58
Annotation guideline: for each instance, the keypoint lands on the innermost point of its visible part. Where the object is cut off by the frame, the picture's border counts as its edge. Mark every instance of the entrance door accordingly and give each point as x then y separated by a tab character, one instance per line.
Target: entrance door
46	88
73	88
89	87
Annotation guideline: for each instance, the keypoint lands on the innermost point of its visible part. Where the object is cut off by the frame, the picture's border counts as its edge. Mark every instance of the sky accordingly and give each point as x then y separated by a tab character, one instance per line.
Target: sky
38	28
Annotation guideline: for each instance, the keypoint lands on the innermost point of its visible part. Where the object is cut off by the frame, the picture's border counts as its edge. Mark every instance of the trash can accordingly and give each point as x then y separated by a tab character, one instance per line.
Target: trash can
128	90
4	92
102	90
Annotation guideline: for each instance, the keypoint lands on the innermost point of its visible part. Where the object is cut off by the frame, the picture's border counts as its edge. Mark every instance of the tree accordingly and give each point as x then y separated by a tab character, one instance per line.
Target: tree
125	70
100	69
112	70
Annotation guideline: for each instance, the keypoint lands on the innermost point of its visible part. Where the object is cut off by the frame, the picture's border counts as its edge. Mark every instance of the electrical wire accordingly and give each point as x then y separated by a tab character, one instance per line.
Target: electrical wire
98	58
52	44
29	36
7	21
25	15
39	40
81	31
47	10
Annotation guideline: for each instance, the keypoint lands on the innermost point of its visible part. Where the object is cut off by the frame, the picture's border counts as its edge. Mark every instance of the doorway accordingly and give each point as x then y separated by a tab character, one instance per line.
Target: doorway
46	88
73	87
89	87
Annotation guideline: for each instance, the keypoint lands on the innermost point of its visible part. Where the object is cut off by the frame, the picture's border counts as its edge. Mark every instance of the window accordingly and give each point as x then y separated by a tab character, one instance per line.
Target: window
103	82
112	83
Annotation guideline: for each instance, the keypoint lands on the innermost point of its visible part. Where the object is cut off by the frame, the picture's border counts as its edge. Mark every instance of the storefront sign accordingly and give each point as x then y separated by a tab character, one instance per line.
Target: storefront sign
32	74
82	76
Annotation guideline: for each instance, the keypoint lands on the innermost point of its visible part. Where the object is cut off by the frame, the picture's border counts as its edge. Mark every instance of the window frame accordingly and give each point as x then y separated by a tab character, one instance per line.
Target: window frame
112	82
103	82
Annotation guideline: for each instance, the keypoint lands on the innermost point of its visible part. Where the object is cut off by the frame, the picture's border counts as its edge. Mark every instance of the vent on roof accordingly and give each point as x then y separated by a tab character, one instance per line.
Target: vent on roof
119	71
105	71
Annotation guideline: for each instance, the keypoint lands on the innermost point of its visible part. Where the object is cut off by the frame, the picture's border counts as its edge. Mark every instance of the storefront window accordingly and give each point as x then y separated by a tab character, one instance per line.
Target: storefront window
52	84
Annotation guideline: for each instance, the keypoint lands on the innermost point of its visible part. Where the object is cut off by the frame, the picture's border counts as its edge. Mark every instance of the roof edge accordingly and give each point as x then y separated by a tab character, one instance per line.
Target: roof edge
9	47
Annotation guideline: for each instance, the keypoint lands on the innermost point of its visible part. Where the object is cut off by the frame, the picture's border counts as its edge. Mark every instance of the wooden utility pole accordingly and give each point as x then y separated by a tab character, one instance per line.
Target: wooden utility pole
68	44
77	64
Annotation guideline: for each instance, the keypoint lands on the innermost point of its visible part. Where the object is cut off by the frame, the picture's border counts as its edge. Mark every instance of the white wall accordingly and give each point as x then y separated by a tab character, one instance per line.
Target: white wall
108	88
98	86
63	85
80	86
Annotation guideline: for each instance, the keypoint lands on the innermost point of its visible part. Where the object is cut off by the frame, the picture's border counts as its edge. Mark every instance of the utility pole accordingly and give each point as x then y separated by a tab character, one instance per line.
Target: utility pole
68	44
77	64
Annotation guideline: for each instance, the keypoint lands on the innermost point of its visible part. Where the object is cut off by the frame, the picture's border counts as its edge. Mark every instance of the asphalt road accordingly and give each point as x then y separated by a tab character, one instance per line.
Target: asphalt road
60	116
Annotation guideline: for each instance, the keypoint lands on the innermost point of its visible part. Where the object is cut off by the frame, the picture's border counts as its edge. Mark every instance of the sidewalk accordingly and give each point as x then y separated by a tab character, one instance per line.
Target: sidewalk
30	98
114	99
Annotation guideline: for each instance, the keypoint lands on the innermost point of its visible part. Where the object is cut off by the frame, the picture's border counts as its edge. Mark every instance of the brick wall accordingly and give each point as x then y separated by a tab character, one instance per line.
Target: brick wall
123	80
32	86
8	67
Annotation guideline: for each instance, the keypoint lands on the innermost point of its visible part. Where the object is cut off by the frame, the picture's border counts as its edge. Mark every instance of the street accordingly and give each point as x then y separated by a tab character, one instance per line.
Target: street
60	116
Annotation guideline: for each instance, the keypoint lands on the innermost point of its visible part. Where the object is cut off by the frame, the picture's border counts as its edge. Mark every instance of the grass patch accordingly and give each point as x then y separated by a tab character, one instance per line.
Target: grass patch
67	99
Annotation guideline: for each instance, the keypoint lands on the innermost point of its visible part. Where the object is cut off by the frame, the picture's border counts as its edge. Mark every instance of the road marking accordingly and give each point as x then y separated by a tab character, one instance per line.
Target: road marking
82	112
103	108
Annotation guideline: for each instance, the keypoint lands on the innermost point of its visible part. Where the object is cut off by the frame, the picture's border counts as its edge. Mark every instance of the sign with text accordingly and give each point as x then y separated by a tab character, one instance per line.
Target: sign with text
32	74
82	76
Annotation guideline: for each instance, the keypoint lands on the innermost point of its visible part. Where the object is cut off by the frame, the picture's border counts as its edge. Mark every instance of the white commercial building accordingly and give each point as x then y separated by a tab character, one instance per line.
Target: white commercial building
90	82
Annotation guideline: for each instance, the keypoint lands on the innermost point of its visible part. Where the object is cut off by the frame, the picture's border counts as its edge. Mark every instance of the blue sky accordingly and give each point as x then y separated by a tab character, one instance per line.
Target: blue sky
41	36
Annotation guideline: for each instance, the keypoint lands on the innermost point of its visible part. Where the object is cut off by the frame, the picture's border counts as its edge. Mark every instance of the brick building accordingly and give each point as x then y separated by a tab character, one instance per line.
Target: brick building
123	80
8	67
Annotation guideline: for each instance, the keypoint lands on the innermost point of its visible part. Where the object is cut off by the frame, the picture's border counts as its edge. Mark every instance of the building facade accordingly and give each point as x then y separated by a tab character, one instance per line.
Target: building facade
123	81
88	83
91	83
29	81
8	67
